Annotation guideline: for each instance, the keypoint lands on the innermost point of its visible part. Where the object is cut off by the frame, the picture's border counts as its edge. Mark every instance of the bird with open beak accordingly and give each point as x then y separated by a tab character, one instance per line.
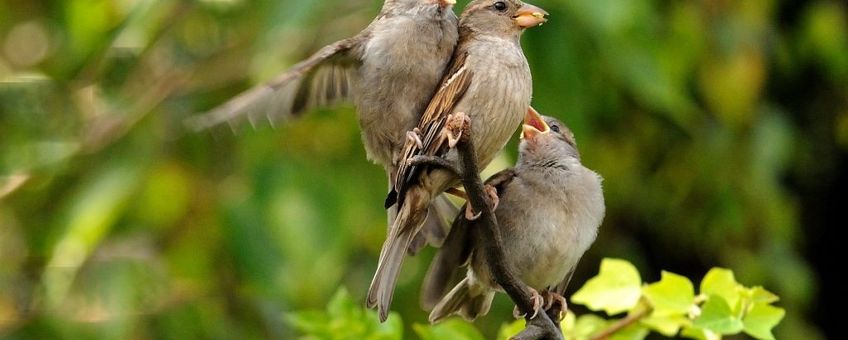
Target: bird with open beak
487	82
550	208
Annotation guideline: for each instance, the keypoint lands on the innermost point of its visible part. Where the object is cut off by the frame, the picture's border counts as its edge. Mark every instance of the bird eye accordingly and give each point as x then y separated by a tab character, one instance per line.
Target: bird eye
555	128
500	6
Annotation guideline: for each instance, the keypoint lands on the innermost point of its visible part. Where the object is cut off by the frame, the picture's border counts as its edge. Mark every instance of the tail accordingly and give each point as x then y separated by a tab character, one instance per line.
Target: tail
407	223
446	267
437	225
466	300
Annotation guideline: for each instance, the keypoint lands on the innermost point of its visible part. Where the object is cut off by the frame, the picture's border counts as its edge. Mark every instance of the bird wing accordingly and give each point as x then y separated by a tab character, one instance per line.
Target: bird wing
563	285
321	80
452	89
445	268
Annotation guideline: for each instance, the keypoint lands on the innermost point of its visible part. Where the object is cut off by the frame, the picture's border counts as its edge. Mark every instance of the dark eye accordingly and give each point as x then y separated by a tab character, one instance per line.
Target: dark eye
500	6
555	128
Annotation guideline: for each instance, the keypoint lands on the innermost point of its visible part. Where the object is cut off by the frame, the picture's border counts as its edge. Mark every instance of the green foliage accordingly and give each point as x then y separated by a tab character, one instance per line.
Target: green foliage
713	123
345	318
670	305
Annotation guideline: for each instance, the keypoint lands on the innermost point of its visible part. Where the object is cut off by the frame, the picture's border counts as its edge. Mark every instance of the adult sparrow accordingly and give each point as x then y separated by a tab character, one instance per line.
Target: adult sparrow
549	212
390	70
488	82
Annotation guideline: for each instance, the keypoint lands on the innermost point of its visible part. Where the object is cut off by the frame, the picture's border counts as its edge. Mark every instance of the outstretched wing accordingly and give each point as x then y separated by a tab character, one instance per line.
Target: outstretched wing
323	79
450	92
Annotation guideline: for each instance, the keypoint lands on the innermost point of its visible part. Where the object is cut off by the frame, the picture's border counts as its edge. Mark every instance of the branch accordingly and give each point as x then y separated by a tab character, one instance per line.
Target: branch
540	327
621	324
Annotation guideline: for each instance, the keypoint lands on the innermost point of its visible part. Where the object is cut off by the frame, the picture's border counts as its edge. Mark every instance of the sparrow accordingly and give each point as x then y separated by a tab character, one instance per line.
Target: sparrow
550	208
389	70
488	82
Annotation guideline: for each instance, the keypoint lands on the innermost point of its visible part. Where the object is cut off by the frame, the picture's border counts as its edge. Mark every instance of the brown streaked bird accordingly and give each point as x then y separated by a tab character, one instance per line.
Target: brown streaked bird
489	82
389	70
550	208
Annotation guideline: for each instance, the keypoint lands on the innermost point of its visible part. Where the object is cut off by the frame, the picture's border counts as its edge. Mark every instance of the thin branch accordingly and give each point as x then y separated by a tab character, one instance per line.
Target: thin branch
622	324
540	327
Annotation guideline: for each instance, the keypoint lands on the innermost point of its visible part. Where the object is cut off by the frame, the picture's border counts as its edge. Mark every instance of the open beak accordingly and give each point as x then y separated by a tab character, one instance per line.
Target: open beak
529	16
446	3
534	125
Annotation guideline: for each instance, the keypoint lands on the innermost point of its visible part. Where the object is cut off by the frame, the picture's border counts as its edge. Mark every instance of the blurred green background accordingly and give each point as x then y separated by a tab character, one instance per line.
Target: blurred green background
721	128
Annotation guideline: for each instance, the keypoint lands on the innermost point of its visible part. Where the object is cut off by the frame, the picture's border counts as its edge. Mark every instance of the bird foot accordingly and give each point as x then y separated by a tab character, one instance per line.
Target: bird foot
538	303
494	200
556	302
455	127
415	137
434	161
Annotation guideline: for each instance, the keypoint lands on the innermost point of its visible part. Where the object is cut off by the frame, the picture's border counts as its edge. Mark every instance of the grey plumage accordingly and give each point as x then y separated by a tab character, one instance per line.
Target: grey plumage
489	80
550	209
389	70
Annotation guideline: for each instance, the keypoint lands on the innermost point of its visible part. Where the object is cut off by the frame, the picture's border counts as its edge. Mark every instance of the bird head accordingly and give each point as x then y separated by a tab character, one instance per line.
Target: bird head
501	16
545	136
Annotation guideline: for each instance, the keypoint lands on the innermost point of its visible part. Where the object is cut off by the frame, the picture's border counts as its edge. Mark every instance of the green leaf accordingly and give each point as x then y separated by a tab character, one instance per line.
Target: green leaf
667	325
586	325
450	329
615	289
632	332
761	295
717	316
721	282
512	328
761	319
672	295
699	334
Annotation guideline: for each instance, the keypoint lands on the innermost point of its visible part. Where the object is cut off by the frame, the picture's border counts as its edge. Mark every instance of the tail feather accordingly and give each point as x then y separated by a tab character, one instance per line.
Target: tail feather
406	224
466	300
436	226
446	267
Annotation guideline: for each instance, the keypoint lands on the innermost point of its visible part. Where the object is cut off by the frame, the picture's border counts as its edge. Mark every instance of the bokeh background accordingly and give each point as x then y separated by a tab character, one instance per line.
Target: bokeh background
721	128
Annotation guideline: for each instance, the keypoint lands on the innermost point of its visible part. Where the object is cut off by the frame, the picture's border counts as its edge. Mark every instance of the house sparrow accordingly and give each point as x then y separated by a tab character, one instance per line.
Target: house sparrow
489	83
390	70
550	209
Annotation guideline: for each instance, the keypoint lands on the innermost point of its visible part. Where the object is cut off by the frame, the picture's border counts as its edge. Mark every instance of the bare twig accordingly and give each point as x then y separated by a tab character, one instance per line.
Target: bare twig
539	327
622	324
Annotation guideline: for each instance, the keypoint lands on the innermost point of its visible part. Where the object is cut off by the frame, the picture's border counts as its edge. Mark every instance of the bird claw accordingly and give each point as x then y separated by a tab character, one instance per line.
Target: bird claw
554	299
538	303
415	137
492	192
469	213
456	124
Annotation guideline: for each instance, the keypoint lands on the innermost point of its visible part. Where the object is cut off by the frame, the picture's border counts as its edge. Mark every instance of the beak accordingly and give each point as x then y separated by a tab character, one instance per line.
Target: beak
446	3
529	16
534	125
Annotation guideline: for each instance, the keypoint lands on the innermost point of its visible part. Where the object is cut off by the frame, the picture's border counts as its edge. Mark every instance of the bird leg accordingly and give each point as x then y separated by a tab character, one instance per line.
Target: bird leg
455	126
415	137
555	305
434	161
494	200
538	304
457	193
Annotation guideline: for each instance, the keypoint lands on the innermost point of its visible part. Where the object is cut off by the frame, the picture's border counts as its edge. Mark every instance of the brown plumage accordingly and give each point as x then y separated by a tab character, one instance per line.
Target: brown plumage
550	209
488	80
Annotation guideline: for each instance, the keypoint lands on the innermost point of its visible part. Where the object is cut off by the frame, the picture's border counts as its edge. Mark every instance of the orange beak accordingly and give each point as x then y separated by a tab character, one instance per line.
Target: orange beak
446	3
529	16
534	125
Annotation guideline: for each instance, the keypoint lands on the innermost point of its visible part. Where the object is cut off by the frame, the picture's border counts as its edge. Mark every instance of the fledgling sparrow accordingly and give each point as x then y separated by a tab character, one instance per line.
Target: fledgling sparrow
550	208
489	82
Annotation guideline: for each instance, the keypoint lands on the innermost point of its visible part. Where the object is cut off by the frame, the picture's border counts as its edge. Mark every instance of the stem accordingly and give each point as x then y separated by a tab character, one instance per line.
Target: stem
623	323
540	327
